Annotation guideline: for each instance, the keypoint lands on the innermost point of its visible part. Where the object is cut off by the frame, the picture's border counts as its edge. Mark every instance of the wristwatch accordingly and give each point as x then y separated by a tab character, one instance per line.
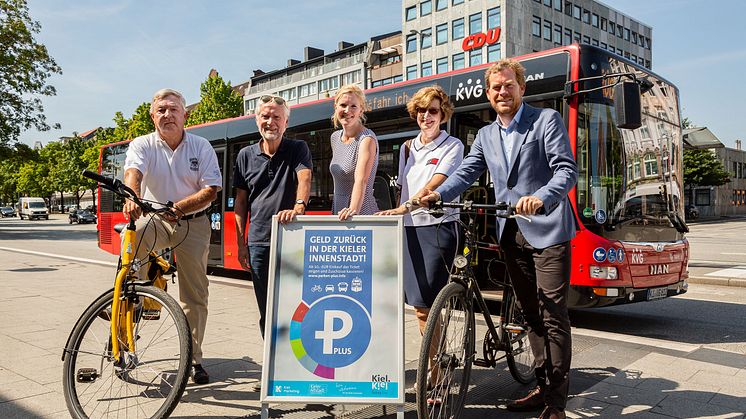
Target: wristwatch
300	202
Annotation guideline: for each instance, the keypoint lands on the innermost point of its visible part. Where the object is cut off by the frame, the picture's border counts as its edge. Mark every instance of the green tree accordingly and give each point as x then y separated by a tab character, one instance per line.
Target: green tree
702	168
25	66
141	123
53	176
217	101
127	129
74	163
11	161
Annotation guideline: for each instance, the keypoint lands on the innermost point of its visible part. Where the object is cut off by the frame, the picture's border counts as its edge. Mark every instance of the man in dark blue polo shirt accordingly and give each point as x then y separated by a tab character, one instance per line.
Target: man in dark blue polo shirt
271	177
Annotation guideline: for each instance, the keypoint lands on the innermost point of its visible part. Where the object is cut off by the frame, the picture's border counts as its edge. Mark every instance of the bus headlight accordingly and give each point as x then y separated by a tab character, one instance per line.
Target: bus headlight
603	272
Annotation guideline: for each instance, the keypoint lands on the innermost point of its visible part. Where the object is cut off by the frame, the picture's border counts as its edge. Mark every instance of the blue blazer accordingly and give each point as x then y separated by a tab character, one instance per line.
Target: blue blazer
541	164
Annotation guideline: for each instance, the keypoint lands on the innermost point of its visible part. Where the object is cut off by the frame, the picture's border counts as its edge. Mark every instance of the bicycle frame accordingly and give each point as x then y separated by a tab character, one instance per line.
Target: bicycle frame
466	277
127	257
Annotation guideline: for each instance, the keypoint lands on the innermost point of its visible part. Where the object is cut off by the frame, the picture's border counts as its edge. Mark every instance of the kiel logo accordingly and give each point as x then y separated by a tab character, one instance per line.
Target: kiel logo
658	269
469	91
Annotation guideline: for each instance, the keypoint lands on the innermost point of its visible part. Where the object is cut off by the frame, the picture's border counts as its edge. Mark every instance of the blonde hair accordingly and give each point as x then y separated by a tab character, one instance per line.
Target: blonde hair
350	89
505	63
163	93
425	96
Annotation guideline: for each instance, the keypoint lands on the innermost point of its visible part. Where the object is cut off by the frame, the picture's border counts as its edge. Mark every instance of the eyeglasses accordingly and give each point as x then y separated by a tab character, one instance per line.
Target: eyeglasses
277	99
431	111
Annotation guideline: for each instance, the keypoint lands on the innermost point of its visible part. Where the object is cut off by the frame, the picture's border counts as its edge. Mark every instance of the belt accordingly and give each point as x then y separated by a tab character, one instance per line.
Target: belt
195	215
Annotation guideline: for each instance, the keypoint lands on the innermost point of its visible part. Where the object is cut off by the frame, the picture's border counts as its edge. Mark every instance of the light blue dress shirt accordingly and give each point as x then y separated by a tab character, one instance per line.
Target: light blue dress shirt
509	134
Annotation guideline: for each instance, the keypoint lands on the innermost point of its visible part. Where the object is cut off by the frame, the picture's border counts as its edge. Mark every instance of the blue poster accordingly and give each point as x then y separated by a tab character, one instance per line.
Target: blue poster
337	312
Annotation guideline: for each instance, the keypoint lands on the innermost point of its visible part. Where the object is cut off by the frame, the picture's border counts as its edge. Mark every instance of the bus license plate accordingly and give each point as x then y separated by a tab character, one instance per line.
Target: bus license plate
657	293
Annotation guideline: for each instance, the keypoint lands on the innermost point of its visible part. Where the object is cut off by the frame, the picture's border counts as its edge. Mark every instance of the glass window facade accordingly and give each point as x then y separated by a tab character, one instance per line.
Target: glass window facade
475	57
427	38
457	29
410	13
441	65
475	23
493	17
458	61
441	34
493	52
426	7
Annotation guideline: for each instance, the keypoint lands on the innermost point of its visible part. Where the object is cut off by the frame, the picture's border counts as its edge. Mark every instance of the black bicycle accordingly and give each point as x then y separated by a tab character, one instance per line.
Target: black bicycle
448	344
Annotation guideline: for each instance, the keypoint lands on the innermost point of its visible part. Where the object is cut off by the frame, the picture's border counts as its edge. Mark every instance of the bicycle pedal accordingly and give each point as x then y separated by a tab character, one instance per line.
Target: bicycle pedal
482	363
151	314
514	328
86	375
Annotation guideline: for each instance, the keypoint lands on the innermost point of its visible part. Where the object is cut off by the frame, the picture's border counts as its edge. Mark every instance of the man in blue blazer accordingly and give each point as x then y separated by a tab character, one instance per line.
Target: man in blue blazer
527	151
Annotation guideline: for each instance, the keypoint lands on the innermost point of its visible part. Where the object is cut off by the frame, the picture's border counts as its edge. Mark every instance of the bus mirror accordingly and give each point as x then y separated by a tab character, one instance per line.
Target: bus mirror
627	105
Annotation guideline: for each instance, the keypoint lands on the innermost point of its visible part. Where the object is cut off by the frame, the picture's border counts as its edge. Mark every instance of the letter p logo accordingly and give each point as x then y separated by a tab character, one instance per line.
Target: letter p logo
328	335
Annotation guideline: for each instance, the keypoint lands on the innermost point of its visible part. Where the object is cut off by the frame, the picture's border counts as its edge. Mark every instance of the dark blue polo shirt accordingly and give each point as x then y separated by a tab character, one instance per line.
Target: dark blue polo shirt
271	182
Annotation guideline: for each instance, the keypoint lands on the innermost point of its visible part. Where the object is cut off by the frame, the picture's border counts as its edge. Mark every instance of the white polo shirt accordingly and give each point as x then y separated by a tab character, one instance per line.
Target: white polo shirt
172	175
440	156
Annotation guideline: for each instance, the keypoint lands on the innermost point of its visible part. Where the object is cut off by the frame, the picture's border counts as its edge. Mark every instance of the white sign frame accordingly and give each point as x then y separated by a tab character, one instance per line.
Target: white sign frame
282	359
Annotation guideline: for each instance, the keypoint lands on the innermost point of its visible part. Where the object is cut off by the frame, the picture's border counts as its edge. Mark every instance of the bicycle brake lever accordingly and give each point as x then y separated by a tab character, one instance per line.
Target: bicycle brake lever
521	216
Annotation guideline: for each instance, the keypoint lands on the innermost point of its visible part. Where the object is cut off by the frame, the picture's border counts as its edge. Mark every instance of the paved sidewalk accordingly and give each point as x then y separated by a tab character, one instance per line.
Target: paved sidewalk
612	376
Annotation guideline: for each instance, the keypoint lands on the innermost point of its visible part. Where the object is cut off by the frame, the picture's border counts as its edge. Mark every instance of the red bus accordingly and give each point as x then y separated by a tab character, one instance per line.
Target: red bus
630	244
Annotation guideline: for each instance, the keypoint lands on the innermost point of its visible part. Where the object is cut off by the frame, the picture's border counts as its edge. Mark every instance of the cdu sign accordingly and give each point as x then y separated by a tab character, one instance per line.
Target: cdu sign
479	39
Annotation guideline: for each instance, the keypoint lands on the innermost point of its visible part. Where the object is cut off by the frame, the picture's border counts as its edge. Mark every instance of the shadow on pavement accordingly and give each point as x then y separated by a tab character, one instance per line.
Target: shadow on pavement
670	319
45	230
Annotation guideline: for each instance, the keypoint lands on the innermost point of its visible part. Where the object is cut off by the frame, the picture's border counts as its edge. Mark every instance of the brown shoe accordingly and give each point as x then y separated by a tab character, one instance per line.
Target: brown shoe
552	413
534	400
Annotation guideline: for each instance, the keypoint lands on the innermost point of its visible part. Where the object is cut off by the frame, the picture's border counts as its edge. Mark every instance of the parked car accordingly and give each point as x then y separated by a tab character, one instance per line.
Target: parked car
81	217
7	212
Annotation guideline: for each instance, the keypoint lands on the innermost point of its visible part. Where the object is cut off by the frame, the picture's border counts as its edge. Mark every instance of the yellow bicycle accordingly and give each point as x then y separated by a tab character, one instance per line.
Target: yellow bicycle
130	351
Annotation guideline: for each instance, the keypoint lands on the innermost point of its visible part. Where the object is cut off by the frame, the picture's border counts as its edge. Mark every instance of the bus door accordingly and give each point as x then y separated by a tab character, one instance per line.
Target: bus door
215	214
464	126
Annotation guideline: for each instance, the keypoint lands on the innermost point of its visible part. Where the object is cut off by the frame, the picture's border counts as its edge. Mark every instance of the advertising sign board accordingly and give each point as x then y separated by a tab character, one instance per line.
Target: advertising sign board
335	316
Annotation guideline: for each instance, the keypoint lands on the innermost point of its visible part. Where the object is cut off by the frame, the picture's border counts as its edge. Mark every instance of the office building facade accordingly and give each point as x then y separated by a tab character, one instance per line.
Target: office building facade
446	35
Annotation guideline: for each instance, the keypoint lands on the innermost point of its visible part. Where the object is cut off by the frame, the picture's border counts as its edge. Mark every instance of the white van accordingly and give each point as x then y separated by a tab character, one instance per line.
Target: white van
32	208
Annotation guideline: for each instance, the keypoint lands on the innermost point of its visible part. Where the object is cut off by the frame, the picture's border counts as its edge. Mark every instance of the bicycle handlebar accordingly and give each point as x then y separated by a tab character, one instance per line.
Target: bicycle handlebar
502	209
119	188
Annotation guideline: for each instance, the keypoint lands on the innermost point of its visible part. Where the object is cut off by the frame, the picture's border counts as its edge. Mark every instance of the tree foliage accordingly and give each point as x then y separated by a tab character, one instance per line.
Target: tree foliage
702	168
10	163
25	66
139	124
217	101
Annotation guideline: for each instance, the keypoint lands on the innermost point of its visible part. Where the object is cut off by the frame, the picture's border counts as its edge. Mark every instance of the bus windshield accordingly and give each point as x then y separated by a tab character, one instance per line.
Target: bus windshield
628	185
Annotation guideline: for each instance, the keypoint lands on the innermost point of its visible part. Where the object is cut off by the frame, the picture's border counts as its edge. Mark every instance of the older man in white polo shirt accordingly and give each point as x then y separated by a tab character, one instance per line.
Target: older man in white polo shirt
171	164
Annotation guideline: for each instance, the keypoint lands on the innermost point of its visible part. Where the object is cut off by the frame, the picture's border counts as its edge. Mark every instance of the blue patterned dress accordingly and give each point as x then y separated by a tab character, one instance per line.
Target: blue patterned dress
342	168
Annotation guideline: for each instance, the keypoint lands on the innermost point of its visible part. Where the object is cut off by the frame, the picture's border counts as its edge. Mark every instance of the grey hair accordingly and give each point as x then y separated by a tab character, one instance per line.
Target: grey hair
162	94
259	105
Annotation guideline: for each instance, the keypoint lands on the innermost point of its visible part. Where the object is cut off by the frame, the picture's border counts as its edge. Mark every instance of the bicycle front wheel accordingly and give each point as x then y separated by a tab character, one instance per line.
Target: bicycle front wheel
446	355
148	380
519	355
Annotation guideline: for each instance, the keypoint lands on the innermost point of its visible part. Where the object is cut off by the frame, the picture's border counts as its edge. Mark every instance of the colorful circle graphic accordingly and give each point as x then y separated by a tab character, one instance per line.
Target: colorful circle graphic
332	333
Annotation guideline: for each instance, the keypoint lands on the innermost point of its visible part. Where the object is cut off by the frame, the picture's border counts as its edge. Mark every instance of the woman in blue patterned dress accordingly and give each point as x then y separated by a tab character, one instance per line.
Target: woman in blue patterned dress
354	155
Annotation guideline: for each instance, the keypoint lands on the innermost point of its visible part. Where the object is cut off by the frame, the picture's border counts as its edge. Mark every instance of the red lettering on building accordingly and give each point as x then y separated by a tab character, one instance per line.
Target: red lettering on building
478	40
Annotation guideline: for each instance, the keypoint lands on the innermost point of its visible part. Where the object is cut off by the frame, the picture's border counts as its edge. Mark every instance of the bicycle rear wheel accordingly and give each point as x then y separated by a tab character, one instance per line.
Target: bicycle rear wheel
147	382
449	335
519	355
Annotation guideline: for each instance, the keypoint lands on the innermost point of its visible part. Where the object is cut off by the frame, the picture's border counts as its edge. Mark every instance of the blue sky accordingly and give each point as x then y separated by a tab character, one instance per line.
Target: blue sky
114	55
